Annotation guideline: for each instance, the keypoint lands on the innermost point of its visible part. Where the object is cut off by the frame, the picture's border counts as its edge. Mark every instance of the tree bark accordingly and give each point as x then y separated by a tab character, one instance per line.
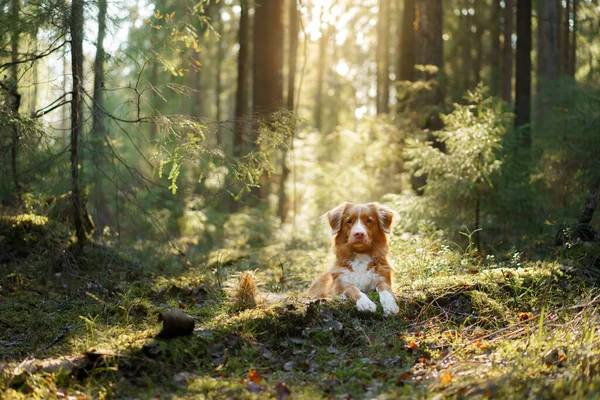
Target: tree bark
478	36
547	56
430	44
466	47
383	57
65	110
407	49
241	94
321	71
100	201
219	63
496	51
267	70
566	39
15	97
34	84
154	73
268	57
573	55
523	82
507	52
282	209
76	28
561	34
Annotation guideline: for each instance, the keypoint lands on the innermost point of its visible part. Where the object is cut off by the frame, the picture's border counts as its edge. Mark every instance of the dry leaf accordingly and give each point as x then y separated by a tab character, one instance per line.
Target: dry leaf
446	378
523	316
412	346
254	376
404	376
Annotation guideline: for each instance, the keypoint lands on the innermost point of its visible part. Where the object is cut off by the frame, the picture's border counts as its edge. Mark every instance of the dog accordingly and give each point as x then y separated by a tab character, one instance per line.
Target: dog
361	247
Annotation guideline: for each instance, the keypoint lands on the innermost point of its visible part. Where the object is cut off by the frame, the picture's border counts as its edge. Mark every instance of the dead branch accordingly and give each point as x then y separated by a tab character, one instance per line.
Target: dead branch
591	203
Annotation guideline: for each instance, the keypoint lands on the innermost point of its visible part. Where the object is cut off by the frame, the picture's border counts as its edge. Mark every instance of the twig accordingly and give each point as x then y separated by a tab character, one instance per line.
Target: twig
527	321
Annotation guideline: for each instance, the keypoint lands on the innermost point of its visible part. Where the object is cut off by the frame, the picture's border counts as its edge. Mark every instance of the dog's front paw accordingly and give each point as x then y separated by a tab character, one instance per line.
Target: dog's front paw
388	302
365	304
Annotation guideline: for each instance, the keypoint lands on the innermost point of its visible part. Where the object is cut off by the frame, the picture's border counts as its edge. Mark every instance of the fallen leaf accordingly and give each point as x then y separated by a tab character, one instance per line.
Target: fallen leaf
404	376
481	345
523	316
412	345
254	376
49	379
446	378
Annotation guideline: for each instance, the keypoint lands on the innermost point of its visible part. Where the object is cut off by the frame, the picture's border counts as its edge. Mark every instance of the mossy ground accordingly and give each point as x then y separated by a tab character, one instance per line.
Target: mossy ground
468	326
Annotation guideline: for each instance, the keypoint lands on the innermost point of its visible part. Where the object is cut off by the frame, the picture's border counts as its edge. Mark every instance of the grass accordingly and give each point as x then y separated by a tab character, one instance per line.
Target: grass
468	326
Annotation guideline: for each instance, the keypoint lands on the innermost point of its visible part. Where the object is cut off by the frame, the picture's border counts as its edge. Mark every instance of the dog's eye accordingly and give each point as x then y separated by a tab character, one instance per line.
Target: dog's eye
369	220
349	221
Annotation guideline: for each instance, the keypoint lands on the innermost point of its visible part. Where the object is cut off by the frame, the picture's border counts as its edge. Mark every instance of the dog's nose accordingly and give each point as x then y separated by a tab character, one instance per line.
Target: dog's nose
359	235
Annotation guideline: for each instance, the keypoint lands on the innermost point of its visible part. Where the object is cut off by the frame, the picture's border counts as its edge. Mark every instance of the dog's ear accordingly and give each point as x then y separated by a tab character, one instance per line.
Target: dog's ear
386	217
335	218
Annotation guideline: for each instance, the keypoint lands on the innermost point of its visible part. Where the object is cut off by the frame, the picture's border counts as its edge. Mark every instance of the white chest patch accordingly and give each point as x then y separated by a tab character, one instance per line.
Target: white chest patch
364	279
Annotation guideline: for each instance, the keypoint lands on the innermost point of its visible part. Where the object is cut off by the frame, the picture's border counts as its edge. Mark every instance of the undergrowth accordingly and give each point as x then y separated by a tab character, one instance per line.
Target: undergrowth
493	326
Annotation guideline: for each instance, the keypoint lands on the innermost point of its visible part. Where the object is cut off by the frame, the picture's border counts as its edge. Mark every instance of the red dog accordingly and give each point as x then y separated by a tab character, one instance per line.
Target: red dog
361	248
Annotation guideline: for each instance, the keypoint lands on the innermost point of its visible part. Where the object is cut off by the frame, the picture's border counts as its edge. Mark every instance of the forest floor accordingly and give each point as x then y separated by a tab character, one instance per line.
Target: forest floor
469	326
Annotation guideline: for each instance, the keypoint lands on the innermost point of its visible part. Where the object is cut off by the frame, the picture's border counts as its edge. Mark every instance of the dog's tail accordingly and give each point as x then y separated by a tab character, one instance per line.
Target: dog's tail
244	293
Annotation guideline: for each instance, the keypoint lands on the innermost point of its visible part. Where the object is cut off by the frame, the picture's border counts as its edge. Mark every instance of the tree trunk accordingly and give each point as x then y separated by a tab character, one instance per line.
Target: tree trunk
523	83
268	57
495	56
386	59
478	36
154	73
547	57
100	201
34	84
267	69
507	52
430	45
219	63
241	95
573	55
321	70
15	97
561	35
65	110
291	92
407	49
383	57
76	23
466	47
566	39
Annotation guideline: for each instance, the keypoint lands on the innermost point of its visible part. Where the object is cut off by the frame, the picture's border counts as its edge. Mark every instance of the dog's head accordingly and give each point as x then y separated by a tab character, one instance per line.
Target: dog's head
360	226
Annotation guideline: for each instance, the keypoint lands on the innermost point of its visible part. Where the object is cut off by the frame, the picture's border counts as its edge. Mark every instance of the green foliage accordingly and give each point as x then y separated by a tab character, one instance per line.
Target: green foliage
460	180
567	146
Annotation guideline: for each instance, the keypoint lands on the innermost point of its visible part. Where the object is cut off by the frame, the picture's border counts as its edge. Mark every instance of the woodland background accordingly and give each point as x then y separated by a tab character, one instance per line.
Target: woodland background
148	140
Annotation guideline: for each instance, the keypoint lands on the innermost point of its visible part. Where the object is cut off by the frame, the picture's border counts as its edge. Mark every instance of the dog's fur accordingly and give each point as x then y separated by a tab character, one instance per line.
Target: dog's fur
361	248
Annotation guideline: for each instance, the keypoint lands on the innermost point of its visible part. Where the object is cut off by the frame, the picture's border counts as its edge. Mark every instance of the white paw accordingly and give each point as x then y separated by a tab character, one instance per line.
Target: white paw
388	303
365	304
